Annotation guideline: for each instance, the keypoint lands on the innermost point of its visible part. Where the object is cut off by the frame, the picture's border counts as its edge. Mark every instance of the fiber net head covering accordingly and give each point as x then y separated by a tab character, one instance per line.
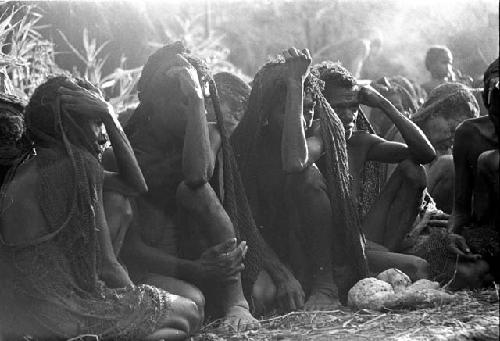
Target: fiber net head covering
400	86
447	100
233	91
52	281
268	90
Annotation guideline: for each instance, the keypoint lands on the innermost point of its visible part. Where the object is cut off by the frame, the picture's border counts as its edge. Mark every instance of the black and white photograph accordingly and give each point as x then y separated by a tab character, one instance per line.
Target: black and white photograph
249	170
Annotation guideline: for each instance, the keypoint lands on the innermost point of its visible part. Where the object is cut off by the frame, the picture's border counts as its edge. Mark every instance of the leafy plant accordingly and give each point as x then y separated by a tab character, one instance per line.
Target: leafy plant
207	45
30	57
90	57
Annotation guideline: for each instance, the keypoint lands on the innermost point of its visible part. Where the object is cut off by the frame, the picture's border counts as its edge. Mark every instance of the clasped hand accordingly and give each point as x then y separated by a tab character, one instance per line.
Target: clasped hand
458	246
223	261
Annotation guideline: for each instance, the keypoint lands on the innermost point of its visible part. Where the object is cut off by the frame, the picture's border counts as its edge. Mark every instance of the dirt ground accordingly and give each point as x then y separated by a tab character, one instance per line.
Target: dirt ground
472	315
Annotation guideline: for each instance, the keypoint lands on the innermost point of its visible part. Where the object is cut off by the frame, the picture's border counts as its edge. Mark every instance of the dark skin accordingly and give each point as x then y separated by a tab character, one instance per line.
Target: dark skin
393	213
221	262
284	154
475	152
476	159
440	130
364	147
274	285
25	209
289	159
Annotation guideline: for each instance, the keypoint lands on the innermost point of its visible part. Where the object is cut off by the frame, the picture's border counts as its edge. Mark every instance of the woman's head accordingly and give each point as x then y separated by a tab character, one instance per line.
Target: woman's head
159	91
448	105
47	122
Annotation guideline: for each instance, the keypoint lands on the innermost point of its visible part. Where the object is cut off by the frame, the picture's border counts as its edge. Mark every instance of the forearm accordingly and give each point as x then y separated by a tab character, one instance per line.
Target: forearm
418	144
128	167
197	159
461	215
464	182
215	140
294	151
162	263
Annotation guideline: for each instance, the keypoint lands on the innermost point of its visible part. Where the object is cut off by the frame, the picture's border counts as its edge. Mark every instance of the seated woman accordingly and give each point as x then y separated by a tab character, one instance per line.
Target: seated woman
60	277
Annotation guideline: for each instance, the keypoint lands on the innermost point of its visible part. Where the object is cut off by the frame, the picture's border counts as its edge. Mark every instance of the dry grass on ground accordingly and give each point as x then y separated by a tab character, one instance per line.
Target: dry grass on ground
472	315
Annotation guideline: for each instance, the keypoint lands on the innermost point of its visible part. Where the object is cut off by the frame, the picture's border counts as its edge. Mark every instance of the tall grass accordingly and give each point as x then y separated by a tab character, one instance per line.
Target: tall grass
29	57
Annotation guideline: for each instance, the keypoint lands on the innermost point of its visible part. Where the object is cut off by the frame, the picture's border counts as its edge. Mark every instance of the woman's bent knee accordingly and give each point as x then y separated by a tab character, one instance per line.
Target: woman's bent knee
185	316
309	181
487	162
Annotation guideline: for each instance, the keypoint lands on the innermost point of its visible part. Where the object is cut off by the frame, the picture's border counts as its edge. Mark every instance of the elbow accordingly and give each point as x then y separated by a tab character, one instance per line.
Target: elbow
141	187
194	182
427	156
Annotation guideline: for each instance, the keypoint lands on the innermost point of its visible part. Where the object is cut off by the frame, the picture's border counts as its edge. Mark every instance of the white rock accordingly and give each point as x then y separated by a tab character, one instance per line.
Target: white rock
423	284
370	293
396	278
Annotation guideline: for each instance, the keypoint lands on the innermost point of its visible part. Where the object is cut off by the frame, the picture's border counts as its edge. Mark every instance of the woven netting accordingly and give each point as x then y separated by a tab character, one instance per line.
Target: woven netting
56	275
267	90
233	198
432	244
447	100
373	175
402	87
236	204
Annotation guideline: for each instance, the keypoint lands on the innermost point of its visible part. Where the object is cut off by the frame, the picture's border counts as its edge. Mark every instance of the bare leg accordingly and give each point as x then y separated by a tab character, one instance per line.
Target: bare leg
486	188
178	287
309	203
203	205
183	321
392	215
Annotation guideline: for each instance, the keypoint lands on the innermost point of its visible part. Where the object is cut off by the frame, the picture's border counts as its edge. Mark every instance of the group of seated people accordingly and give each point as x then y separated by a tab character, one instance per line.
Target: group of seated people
223	200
